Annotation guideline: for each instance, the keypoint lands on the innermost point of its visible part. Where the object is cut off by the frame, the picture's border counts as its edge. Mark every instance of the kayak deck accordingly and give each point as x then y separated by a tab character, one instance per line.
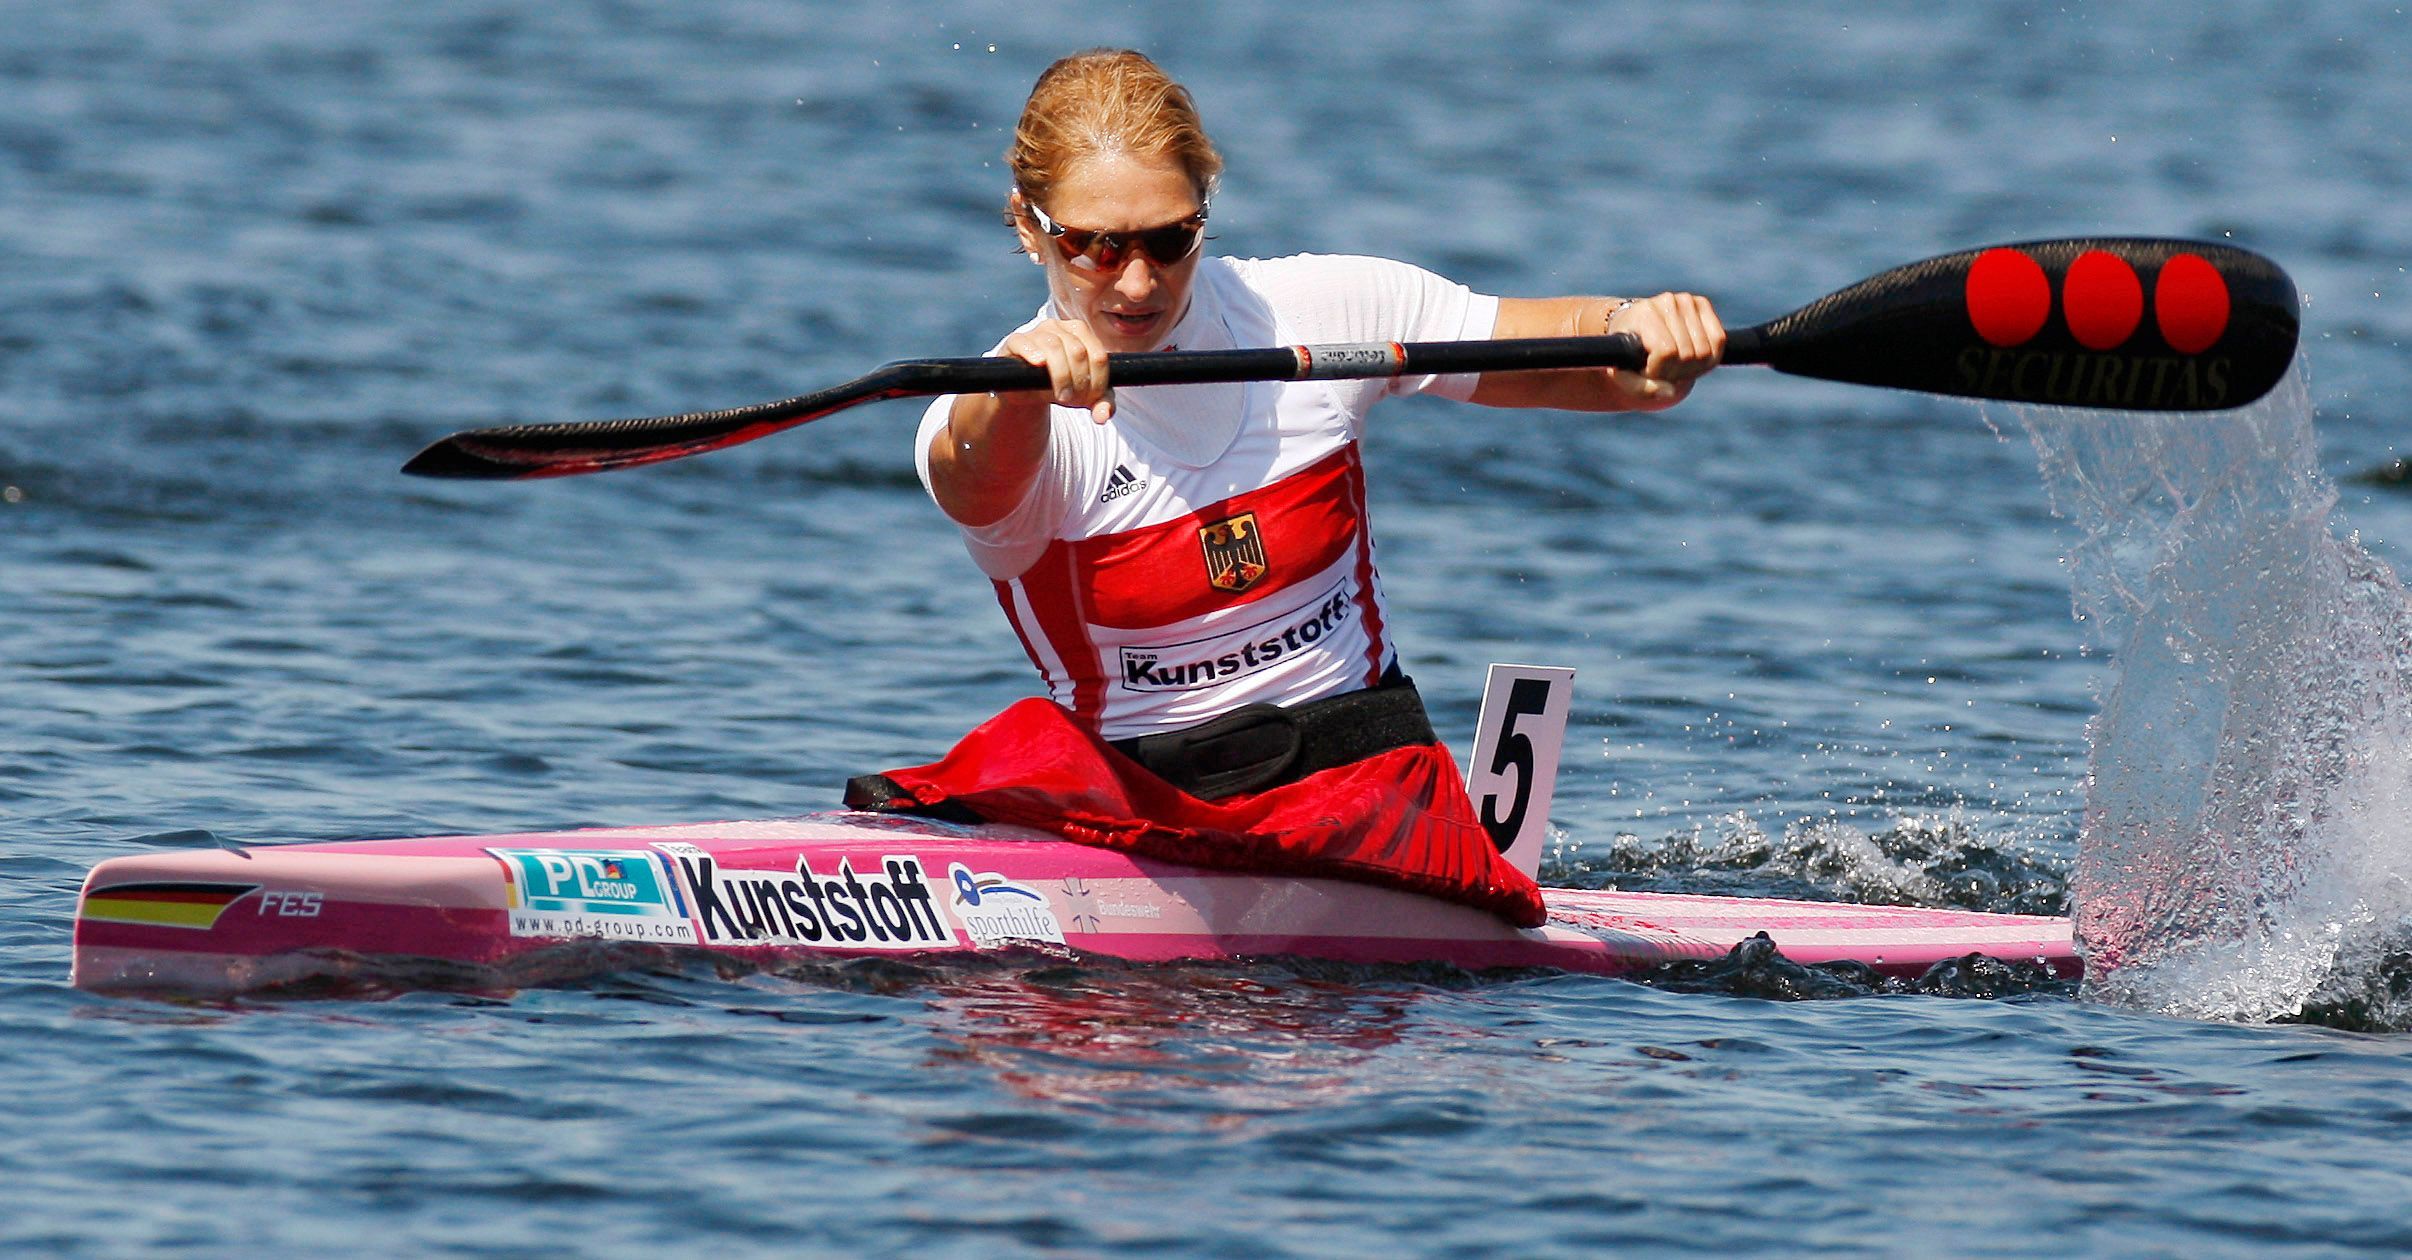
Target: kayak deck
506	911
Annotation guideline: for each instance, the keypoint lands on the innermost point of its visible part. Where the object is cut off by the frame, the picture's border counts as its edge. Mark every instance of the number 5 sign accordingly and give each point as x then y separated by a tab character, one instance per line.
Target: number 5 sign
1515	764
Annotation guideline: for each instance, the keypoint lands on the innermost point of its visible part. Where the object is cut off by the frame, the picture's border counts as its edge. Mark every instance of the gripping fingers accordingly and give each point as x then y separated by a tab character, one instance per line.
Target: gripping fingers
1684	339
1075	361
1698	331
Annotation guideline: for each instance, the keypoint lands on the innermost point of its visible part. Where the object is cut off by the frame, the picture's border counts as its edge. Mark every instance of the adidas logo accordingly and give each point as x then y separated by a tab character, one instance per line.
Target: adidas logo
1121	483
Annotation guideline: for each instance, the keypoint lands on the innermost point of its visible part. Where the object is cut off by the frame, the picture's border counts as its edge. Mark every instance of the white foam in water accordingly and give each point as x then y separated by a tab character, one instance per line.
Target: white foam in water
2247	839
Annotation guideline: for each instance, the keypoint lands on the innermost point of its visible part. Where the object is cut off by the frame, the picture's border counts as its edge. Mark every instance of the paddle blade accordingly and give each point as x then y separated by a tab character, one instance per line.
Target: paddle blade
528	451
2127	324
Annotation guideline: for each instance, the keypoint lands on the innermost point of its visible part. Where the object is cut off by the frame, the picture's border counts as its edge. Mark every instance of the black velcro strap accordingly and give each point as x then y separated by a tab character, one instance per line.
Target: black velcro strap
1352	727
1261	746
1246	750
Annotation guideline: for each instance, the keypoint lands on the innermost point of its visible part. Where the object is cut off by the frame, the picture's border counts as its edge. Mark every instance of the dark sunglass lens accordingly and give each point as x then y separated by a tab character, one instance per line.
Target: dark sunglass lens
1106	251
1169	245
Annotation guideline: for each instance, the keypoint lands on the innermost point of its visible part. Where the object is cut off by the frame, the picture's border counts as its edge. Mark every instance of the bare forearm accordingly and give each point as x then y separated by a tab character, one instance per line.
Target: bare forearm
984	459
1680	332
982	462
1576	390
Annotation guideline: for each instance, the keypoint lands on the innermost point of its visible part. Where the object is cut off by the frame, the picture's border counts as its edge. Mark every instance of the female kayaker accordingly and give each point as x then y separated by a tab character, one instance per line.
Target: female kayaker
1189	566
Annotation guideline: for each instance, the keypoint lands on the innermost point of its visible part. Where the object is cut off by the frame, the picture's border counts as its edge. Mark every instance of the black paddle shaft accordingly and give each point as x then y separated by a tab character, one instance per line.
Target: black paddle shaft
561	450
2133	324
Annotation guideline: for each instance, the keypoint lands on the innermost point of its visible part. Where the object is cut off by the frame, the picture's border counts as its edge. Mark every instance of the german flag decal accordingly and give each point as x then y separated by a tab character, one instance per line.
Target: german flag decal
184	905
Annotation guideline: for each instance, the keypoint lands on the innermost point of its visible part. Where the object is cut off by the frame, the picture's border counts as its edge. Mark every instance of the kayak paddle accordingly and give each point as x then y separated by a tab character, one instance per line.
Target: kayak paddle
2127	323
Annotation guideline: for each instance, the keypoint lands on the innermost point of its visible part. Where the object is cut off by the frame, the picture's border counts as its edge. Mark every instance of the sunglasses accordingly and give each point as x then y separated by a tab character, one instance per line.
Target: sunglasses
1092	250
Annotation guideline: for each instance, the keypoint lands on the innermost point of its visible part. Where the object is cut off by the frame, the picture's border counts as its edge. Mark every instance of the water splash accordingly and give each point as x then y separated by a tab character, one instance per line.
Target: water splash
2246	841
1935	859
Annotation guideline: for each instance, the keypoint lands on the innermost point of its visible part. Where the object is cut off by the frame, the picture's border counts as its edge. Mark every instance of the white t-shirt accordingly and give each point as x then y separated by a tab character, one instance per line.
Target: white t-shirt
1208	547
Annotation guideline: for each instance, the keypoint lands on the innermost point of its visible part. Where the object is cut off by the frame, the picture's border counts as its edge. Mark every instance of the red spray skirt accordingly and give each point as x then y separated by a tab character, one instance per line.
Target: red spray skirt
1399	819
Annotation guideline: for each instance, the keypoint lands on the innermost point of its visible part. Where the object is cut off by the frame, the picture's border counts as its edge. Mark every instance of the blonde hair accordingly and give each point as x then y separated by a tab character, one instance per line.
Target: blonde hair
1107	100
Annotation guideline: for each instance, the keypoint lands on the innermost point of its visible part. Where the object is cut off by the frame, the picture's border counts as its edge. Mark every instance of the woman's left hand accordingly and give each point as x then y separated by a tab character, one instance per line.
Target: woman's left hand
1684	338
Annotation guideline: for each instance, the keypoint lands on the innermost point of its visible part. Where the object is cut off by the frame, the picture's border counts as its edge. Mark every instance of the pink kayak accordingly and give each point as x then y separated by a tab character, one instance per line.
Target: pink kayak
498	912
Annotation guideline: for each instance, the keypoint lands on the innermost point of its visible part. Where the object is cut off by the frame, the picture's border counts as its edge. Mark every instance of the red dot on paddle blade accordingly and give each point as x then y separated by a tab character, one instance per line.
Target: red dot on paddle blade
2190	302
2009	297
2102	299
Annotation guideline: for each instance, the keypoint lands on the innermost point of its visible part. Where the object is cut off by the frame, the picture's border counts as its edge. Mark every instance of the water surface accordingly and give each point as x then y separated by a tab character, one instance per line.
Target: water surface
255	257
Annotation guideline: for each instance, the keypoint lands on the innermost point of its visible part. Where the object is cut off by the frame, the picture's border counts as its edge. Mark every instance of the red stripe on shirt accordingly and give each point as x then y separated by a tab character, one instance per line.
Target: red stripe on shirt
1054	591
1365	567
1156	575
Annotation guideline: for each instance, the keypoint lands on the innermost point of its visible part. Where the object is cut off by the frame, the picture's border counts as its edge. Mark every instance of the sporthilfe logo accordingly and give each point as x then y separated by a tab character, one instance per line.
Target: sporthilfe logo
997	911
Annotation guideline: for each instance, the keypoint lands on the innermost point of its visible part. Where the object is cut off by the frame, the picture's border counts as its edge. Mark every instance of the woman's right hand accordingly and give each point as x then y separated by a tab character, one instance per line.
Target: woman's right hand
983	461
1075	361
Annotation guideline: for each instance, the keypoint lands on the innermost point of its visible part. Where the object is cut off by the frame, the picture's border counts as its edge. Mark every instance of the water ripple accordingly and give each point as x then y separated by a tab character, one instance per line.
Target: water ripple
258	256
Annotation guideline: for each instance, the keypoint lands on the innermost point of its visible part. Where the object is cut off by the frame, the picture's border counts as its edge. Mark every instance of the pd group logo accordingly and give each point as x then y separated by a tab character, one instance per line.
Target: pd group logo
612	894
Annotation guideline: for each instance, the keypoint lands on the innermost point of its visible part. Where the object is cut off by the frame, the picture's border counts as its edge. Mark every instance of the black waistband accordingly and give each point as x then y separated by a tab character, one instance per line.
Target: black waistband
1260	746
